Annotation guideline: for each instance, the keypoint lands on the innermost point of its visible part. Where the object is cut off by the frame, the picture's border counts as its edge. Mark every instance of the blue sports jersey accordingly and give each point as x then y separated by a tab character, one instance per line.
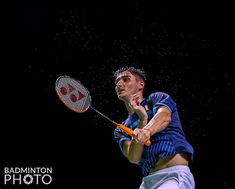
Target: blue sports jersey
168	142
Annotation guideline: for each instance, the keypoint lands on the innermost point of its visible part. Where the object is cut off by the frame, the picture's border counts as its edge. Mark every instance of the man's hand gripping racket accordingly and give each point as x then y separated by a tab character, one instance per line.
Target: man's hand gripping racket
77	98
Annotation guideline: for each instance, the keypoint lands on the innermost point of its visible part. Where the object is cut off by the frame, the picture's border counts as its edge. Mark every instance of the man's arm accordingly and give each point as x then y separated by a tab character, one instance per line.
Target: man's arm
158	123
132	149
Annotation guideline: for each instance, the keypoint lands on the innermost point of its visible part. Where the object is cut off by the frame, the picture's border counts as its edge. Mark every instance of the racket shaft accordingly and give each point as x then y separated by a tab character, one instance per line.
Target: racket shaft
121	126
102	114
130	132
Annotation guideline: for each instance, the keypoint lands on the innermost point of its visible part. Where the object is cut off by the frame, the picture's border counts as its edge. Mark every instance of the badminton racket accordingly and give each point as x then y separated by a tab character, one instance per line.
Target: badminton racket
77	98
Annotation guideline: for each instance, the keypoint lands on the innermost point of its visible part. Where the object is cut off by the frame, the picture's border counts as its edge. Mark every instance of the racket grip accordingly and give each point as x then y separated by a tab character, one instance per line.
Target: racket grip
130	132
148	143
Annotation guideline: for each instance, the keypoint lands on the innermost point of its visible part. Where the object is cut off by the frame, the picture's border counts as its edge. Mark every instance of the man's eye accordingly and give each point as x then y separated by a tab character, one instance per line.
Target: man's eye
125	79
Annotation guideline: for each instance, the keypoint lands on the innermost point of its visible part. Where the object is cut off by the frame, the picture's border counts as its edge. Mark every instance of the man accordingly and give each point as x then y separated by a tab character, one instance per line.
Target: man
165	163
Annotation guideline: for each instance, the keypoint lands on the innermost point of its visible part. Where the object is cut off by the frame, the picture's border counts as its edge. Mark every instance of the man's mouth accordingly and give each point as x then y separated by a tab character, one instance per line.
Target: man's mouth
120	91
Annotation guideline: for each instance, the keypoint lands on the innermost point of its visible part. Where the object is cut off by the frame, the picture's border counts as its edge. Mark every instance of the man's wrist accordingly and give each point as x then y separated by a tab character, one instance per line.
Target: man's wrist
148	129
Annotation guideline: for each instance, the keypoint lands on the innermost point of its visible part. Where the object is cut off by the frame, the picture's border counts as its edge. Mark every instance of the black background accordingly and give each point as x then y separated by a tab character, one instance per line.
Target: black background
184	49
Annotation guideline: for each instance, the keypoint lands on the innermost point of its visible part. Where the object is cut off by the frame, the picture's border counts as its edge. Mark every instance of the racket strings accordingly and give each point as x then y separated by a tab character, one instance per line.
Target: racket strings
73	94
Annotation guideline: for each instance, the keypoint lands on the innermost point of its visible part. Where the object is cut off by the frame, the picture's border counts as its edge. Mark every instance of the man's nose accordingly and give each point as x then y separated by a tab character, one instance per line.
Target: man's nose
119	83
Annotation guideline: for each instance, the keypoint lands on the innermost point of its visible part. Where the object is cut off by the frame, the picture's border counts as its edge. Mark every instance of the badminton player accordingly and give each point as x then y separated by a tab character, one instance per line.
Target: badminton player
166	162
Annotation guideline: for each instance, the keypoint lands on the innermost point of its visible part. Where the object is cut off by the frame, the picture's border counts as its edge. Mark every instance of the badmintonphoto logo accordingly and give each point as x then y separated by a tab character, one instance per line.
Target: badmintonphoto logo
28	175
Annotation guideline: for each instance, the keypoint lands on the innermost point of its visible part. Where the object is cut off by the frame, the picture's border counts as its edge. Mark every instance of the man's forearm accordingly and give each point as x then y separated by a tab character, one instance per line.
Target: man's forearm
135	149
159	122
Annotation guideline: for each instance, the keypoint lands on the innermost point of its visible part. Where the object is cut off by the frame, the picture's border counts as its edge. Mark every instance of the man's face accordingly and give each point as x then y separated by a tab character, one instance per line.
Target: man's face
127	84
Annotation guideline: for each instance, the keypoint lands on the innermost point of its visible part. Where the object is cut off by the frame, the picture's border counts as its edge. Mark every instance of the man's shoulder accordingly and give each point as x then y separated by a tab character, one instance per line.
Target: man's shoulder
158	94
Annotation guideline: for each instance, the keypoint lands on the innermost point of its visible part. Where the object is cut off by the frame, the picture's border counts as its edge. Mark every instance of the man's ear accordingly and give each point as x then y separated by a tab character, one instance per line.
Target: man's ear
141	84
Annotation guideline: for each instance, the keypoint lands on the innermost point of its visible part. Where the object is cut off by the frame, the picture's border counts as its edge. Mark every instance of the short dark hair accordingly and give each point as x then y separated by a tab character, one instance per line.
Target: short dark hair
135	71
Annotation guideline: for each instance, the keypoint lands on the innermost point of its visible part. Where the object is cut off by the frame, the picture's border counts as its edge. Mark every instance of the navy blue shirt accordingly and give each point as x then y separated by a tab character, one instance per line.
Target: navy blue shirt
168	142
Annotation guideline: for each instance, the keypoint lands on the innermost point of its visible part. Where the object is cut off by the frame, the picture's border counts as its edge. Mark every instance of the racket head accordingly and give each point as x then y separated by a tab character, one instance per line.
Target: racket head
73	93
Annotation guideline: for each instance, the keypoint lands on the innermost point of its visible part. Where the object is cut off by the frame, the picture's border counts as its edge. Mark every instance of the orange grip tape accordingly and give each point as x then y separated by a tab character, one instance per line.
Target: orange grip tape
130	132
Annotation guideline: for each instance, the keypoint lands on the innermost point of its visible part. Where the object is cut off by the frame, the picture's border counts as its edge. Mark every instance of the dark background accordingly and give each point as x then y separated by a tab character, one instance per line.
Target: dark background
184	49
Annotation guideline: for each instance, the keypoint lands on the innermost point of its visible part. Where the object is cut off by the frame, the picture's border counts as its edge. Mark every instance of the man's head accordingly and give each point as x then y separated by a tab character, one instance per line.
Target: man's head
129	81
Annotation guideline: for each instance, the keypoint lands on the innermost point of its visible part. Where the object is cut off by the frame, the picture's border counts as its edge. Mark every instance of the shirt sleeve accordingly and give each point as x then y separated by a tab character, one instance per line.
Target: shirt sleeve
162	99
121	137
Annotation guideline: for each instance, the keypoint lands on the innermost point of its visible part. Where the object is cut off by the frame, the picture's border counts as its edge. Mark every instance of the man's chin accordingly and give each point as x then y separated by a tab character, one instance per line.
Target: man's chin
121	97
